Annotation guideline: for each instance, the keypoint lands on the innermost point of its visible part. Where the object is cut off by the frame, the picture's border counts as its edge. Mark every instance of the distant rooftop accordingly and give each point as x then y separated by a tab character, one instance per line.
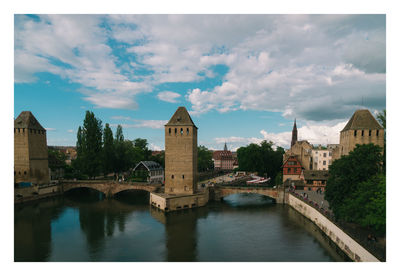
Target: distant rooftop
362	119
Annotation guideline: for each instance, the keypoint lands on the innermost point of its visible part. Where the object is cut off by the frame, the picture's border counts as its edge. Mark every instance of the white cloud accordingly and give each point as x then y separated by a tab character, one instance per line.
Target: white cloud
315	134
70	131
155	124
154	147
49	129
168	96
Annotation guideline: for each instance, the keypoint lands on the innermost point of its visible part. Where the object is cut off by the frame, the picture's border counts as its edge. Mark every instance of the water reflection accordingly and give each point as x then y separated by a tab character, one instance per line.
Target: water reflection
83	226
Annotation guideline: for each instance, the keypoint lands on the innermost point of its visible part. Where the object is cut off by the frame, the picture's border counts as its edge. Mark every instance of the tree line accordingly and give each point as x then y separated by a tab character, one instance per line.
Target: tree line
263	159
101	152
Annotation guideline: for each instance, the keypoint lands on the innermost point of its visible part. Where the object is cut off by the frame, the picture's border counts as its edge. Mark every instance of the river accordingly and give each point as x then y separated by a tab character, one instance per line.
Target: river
83	226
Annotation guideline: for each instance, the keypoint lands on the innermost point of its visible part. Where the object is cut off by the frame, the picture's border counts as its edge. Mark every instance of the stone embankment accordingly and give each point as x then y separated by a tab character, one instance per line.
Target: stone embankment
347	244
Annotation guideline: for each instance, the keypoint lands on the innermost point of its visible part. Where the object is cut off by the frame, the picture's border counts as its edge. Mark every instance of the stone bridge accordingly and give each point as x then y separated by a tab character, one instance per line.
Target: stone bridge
220	192
109	188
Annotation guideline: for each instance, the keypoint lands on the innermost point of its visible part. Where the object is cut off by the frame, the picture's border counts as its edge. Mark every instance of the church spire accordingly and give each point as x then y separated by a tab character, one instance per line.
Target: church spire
294	134
225	147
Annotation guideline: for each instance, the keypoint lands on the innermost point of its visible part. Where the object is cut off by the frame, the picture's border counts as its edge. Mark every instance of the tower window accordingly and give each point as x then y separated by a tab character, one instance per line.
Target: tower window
181	131
187	131
172	176
183	176
18	130
25	172
362	132
30	130
169	130
377	132
355	133
23	130
175	130
369	133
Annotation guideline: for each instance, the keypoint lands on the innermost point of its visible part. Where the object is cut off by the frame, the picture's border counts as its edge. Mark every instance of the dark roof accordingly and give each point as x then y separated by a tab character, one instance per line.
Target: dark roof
181	117
362	119
27	120
295	182
316	175
150	165
222	154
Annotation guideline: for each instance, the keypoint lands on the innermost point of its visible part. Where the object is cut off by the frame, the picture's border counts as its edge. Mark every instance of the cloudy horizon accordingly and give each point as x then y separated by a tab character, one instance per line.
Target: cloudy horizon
243	78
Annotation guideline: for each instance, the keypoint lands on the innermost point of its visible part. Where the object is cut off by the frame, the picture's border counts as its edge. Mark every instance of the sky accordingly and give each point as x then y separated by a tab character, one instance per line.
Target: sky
243	78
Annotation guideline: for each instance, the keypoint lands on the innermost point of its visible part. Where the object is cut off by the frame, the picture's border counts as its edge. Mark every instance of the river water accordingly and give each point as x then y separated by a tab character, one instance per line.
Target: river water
83	226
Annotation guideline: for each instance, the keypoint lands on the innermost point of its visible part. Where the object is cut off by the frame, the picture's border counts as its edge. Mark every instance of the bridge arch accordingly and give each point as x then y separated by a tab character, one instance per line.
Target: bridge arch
90	187
222	192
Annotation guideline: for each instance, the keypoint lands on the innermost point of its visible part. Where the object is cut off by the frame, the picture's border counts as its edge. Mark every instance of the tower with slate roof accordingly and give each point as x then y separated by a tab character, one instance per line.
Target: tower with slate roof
362	128
30	150
180	154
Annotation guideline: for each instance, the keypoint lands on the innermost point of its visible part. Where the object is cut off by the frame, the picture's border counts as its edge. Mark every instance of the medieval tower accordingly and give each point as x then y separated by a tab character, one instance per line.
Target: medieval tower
362	128
30	150
180	154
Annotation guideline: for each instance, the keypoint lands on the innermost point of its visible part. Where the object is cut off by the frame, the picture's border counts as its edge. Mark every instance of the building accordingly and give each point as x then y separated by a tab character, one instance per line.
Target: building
69	152
152	170
180	166
303	152
362	128
321	158
223	159
315	179
294	134
292	169
30	151
180	154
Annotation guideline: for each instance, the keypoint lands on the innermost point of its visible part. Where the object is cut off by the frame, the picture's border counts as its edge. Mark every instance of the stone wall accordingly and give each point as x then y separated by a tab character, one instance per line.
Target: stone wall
363	136
173	203
180	159
352	249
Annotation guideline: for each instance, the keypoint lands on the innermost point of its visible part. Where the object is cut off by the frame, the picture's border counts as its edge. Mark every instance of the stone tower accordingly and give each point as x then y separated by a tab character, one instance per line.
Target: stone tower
180	154
294	134
362	128
30	150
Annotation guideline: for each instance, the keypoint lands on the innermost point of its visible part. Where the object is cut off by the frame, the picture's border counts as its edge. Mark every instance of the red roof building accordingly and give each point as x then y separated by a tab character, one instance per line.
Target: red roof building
223	159
292	169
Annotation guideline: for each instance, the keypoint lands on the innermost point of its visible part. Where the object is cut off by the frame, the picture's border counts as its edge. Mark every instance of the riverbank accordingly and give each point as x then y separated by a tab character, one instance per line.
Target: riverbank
353	249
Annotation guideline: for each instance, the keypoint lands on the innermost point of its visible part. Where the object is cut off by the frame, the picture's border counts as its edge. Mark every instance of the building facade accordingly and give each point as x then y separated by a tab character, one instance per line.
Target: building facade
153	170
223	159
30	150
315	179
180	154
292	169
362	128
321	158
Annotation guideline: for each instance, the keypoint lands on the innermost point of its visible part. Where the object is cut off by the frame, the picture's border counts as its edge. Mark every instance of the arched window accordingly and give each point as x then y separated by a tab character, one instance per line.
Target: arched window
355	133
362	132
377	132
181	131
187	131
183	176
172	176
175	130
369	133
169	130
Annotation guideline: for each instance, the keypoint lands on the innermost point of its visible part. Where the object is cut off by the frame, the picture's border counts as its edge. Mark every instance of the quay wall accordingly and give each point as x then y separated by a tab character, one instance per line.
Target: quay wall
349	246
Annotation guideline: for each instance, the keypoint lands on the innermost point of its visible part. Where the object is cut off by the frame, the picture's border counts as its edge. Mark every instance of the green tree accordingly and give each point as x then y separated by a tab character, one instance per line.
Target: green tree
262	159
354	183
89	145
204	159
56	159
120	148
108	150
159	158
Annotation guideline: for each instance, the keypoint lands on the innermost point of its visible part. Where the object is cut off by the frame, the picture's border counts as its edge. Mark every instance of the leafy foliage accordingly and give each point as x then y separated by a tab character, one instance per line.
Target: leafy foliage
204	159
262	159
356	187
108	150
89	145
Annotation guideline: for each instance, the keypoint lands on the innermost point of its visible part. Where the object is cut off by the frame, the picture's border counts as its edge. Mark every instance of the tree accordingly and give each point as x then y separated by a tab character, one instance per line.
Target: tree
204	159
353	184
262	159
121	157
89	145
108	150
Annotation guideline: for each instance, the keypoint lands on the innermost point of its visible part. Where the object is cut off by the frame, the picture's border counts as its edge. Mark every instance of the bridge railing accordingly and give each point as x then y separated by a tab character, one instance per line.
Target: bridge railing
358	233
